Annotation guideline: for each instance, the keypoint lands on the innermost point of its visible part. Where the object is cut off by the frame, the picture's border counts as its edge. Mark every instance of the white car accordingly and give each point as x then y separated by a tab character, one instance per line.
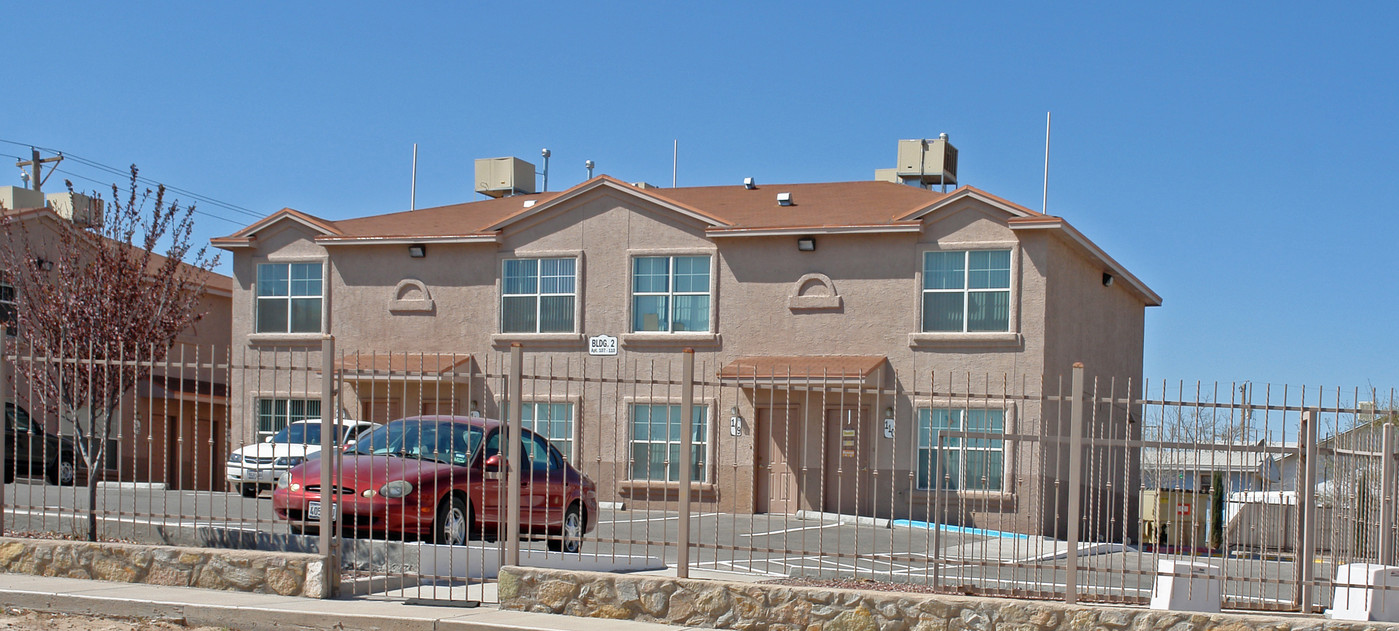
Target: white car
257	466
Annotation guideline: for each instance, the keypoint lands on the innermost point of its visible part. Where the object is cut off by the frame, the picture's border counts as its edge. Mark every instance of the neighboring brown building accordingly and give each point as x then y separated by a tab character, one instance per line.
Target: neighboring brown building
173	427
775	286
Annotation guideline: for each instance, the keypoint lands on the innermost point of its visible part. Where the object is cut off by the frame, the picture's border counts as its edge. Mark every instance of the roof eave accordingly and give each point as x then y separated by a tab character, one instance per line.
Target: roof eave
606	181
898	228
408	240
1053	223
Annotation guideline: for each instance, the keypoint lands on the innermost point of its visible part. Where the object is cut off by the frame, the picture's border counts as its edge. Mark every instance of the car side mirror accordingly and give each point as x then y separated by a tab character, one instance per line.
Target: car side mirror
267	440
494	465
349	443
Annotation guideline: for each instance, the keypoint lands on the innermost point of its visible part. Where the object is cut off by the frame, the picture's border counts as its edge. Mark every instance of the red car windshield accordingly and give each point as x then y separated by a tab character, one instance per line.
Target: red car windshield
452	443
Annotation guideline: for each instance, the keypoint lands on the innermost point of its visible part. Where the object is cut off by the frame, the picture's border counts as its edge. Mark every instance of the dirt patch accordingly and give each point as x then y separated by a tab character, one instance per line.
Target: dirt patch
23	620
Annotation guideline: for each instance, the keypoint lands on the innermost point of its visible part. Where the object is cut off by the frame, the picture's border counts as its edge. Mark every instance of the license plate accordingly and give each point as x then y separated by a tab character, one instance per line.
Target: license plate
313	511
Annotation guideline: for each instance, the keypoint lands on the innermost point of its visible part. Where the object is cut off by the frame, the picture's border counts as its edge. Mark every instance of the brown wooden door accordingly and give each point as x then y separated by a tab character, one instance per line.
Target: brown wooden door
777	459
843	463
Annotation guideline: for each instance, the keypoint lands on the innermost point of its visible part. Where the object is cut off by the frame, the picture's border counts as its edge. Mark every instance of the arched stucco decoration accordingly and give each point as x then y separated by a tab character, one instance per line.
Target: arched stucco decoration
410	296
814	291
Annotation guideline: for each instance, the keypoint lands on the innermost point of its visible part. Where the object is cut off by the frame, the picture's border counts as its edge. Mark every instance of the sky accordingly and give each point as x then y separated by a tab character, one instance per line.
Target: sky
1242	160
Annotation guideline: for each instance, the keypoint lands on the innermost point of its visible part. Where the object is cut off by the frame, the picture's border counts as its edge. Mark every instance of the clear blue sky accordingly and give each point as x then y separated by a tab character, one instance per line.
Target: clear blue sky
1244	162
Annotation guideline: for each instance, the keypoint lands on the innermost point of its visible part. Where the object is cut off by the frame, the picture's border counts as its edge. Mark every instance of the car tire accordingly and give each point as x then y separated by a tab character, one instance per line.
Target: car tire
570	537
63	471
453	525
248	490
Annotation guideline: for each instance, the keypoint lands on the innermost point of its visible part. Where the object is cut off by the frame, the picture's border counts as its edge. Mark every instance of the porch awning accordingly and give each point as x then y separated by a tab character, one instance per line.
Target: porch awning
404	367
186	389
803	370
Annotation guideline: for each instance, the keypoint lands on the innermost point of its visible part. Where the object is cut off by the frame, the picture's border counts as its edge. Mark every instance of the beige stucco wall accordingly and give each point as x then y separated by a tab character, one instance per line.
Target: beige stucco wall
876	277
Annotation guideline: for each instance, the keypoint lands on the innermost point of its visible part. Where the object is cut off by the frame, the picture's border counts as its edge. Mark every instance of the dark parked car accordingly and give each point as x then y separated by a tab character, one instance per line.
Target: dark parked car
31	451
443	477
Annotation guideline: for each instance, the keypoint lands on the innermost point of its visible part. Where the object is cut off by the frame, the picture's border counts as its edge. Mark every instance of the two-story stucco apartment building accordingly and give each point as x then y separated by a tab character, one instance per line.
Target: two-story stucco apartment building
777	289
172	423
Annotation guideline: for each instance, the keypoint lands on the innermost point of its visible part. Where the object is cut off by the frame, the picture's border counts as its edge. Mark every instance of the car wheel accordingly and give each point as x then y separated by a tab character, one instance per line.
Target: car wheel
571	537
453	522
248	490
63	472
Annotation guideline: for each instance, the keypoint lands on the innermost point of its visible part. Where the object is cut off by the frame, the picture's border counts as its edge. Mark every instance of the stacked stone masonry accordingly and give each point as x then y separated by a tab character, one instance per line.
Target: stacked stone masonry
288	574
755	607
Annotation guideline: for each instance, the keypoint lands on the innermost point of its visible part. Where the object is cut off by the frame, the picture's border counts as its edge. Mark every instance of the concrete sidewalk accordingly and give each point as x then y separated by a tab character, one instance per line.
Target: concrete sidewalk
241	610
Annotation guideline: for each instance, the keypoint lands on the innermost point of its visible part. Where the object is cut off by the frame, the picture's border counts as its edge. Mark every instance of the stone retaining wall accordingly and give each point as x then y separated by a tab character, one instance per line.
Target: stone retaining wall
749	606
288	574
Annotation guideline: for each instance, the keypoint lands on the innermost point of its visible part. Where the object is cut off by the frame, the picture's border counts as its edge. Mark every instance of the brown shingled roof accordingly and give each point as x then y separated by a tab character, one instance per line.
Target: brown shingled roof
821	205
470	218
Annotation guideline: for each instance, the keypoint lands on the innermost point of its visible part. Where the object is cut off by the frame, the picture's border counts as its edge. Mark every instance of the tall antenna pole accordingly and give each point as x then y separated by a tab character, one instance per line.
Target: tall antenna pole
413	190
1044	202
674	162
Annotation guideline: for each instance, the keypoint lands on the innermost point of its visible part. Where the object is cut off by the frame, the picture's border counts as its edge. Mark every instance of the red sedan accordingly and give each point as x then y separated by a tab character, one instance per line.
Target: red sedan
443	477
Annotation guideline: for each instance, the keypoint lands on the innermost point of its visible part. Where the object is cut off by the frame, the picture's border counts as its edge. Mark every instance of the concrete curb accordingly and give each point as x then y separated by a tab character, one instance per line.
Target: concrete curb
256	612
837	518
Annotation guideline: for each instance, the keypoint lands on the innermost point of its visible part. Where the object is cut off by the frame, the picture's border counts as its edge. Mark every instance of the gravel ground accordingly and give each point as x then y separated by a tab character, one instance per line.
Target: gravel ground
858	583
20	619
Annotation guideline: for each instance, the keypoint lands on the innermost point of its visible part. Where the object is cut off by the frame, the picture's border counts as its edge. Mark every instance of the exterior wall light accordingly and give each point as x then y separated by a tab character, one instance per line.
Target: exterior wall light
735	422
806	244
417	250
889	422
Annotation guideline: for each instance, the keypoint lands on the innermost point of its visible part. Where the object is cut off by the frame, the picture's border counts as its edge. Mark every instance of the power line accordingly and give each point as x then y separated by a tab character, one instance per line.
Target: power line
145	180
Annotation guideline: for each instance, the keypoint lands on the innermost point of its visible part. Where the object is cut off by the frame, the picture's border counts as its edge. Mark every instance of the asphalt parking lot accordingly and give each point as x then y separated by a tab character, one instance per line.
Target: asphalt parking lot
746	546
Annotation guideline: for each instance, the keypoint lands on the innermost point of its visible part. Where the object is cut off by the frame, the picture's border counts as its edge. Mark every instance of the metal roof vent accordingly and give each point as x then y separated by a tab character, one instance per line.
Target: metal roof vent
749	184
784	199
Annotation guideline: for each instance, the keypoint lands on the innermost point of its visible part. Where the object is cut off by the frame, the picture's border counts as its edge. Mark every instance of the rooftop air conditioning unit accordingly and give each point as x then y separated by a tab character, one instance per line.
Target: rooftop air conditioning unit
928	161
77	208
499	177
16	198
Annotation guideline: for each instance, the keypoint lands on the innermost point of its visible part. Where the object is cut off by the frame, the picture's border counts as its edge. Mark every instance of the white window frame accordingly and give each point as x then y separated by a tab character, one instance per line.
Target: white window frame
280	421
670	294
962	447
258	298
966	290
539	293
529	419
705	444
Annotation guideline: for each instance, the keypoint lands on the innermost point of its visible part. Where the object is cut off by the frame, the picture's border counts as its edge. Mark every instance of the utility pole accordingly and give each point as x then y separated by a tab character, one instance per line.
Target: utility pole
37	165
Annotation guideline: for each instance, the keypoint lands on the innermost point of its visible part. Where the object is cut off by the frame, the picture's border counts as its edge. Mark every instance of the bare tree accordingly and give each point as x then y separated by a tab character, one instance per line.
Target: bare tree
97	306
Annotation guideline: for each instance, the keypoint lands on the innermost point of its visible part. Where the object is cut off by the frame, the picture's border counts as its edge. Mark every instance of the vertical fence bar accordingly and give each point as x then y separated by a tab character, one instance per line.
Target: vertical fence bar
1306	504
511	448
330	503
4	399
1386	493
1075	480
687	459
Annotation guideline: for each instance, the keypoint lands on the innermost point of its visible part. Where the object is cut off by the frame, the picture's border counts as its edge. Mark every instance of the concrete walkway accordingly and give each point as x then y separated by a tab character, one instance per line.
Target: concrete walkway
239	610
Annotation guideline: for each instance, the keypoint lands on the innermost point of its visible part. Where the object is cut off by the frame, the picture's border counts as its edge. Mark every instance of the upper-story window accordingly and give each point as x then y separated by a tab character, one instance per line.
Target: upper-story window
538	295
289	297
966	291
670	293
9	306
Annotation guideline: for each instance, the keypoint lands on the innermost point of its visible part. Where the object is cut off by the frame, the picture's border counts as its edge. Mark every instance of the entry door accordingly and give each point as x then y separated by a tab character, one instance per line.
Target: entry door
844	446
778	456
